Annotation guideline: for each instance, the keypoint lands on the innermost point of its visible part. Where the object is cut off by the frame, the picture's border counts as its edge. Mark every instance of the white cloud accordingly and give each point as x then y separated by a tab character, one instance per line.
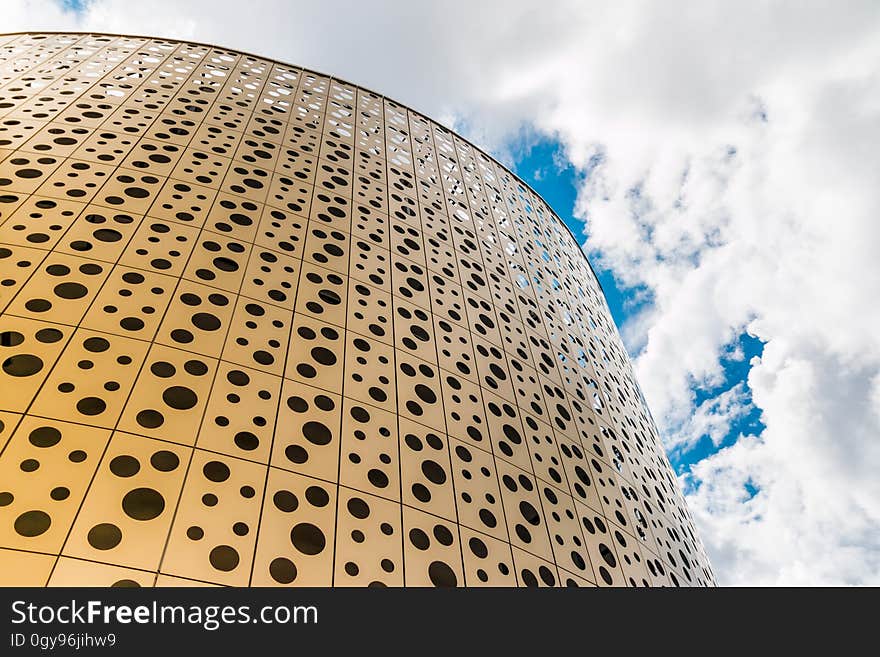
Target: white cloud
752	134
712	418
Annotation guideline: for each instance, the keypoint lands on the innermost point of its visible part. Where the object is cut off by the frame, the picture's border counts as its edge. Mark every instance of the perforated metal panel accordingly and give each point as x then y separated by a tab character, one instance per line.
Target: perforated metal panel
259	326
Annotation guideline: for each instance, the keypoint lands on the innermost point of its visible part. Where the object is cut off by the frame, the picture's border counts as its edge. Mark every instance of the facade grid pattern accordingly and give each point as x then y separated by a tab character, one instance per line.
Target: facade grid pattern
260	326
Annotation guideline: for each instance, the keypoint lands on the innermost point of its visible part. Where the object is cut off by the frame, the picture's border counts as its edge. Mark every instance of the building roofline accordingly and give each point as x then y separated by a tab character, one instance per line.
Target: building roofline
344	81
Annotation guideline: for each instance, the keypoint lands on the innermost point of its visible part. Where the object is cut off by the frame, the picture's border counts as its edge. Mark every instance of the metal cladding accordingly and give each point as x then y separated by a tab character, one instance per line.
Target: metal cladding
259	326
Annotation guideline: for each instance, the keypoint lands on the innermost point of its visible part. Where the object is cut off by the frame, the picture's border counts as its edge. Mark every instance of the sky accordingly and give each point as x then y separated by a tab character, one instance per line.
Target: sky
718	161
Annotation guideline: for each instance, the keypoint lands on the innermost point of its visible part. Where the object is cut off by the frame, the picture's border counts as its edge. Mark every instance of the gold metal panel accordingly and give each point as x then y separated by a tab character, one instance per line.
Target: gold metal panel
247	294
370	264
77	179
214	531
506	431
297	160
197	319
183	202
543	446
526	523
327	248
455	350
369	310
302	137
465	415
132	302
22	134
477	496
630	554
531	395
240	414
418	397
234	215
472	274
86	113
370	456
658	575
367	190
322	294
307	431
8	422
258	335
39	222
447	300
257	151
197	167
78	572
25	172
217	138
160	246
426	481
218	261
99	233
369	551
371	226
16	265
431	550
533	571
414	330
9	202
105	146
313	353
157	156
406	241
252	182
492	368
369	369
28	351
271	277
404	209
171	129
569	549
487	561
410	281
170	581
60	290
600	546
578	474
282	231
285	192
25	568
297	532
91	381
269	128
611	496
169	395
47	466
127	511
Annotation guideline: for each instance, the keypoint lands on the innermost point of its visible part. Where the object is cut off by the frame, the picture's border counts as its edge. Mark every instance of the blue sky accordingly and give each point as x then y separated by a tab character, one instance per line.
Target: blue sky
542	163
750	130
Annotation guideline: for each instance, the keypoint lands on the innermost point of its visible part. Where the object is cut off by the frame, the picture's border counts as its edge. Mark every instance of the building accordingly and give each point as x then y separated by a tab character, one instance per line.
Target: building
261	326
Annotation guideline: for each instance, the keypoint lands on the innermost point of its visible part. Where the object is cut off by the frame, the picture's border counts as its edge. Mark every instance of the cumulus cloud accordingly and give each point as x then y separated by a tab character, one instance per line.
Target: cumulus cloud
712	418
732	161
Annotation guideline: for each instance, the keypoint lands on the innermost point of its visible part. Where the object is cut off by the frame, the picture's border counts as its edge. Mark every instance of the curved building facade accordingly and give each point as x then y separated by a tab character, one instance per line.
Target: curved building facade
260	326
